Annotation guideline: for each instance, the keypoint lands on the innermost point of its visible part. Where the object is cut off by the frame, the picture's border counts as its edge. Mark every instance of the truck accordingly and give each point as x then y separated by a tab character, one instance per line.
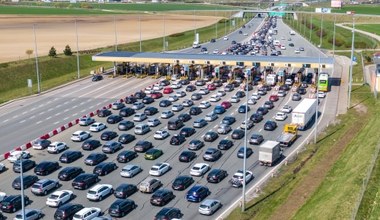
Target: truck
196	43
269	153
271	79
303	113
288	136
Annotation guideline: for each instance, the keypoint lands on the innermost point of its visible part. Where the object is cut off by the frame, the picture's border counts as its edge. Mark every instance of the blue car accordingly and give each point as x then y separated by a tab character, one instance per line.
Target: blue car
197	193
242	109
219	109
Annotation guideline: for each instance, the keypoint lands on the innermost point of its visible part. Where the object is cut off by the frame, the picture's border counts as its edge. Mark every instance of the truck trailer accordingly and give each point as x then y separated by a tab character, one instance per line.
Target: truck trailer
303	113
269	153
288	136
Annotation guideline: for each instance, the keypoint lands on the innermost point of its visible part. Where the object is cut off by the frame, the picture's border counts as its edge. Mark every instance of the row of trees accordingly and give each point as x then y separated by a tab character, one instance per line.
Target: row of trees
53	52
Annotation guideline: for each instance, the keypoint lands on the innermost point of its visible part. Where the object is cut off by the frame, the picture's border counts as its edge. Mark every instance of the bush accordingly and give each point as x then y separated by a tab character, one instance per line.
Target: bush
52	52
67	51
176	35
85	5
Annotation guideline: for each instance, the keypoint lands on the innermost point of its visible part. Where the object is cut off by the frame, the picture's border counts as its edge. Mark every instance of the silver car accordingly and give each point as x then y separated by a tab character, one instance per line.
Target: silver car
42	187
224	129
30	214
130	170
209	206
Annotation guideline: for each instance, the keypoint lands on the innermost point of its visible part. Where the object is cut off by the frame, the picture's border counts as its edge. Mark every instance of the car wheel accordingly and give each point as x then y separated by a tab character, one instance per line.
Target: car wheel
14	209
100	198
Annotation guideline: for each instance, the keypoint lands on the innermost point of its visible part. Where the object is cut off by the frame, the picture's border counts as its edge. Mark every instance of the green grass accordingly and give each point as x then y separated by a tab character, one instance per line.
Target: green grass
357	70
371	28
23	10
359	9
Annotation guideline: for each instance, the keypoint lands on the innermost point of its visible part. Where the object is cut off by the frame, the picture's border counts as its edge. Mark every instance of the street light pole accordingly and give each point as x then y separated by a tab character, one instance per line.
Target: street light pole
316	107
334	36
76	32
140	31
216	27
311	25
114	27
36	56
22	187
321	31
351	64
164	40
245	139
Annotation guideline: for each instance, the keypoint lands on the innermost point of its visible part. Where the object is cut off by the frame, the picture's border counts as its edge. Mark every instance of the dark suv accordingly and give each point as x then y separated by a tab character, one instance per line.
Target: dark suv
216	175
69	173
12	203
85	180
67	211
162	197
26	165
121	207
177	139
126	111
28	180
142	146
168	213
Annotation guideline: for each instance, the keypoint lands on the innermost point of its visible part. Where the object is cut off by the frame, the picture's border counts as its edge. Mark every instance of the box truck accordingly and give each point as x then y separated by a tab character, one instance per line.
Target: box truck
269	153
303	113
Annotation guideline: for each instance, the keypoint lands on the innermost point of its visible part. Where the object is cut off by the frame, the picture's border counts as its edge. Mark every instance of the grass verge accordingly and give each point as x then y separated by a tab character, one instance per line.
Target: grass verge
359	9
370	28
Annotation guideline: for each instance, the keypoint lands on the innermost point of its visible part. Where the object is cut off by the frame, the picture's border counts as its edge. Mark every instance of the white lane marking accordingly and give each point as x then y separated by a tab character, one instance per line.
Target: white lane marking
260	129
32	109
83	110
33	116
15	116
66	110
50	109
67	102
73	99
55	99
41	113
6	120
215	126
38	122
75	114
41	105
22	121
24	113
58	106
66	118
56	122
92	107
48	118
57	113
75	106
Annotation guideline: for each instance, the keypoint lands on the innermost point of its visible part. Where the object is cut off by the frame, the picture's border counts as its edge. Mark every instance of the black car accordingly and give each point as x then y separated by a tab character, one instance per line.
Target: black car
142	146
237	134
182	182
190	88
270	125
262	110
140	95
177	139
121	207
243	108
210	136
187	156
97	77
13	203
240	94
168	213
126	156
41	143
111	147
126	111
95	158
70	156
85	180
91	144
108	135
164	82
268	104
125	125
184	82
26	165
162	197
216	175
184	117
217	83
200	82
28	180
126	138
195	110
151	110
256	117
104	113
187	131
148	100
69	173
130	99
46	167
165	103
125	190
301	91
113	119
67	211
240	153
104	168
225	144
228	120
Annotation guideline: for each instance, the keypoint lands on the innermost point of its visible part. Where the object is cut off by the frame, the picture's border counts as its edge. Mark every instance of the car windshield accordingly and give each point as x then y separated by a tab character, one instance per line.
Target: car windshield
204	206
154	168
91	192
53	196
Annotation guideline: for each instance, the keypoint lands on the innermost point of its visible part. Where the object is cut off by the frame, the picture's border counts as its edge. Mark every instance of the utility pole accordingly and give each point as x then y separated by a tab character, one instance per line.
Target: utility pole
352	62
76	32
36	58
114	28
320	32
164	40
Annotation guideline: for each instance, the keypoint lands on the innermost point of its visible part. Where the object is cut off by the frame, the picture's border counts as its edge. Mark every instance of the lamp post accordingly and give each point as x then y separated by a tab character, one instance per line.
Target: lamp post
311	25
163	43
36	58
351	63
334	36
115	33
140	31
76	33
321	31
248	73
22	186
316	107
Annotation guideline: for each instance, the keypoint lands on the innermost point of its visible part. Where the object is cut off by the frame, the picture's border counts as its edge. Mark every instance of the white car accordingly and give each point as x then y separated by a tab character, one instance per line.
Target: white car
204	91
153	122
148	90
249	125
157	87
199	169
138	105
2	196
80	135
181	93
177	107
161	134
221	93
321	95
86	121
98	126
159	169
204	104
296	51
167	114
235	99
139	117
187	103
99	191
252	101
283	47
237	178
87	213
176	85
130	170
215	98
173	98
289	82
15	155
281	93
216	51
245	34
56	147
287	109
255	96
280	116
225	38
211	116
59	198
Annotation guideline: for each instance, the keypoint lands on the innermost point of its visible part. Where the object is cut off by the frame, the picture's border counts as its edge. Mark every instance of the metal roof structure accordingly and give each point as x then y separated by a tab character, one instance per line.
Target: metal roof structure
215	59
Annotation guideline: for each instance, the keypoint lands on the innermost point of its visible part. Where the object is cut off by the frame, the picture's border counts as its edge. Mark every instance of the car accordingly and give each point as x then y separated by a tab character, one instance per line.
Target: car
142	146
182	182
184	117
321	94
216	51
111	147
148	100
212	116
256	139
108	135
301	91
91	144
161	134
262	110
261	91
228	120
229	88
161	197
125	125
104	113
156	95
159	169
244	108
167	114
139	117
237	134
273	98
3	168
180	94
209	206
87	213
196	96
96	78
149	185
212	154
190	88
281	93
121	207
197	193
256	117
195	110
211	87
153	154
177	139
165	103
296	97
28	180
200	82
150	110
70	156
85	180
187	156
219	109
40	144
42	187
225	38
138	105
270	125
97	126
286	109
224	128
203	91
99	191
12	203
204	104
142	129
249	124
153	122
164	82
282	47
296	51
251	101
248	152
268	104
210	136
95	158
126	112
225	144
212	40
58	198
80	136
26	165
195	144
56	147
126	156
291	45
126	138
199	123
187	103
168	213
238	178
130	170
255	96
226	104
168	90
118	105
280	116
69	173
199	169
130	99
187	131
214	98
177	107
46	167
125	190
67	211
140	95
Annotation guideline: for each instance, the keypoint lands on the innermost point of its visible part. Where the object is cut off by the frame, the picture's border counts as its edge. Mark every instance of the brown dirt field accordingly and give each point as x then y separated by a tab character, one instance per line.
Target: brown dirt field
93	31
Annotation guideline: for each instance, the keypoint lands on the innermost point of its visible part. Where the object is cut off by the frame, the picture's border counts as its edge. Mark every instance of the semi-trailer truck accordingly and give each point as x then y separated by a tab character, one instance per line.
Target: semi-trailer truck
303	113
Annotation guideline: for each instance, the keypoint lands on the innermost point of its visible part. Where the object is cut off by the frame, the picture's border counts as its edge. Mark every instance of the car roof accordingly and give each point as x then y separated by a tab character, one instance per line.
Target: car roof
208	202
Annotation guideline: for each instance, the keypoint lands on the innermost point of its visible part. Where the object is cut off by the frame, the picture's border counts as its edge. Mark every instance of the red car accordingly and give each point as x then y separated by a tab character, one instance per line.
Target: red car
211	87
226	105
156	95
168	90
273	98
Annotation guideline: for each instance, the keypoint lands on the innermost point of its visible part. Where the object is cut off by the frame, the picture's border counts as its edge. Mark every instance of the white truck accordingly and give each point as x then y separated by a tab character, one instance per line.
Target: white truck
269	153
271	79
303	114
196	43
